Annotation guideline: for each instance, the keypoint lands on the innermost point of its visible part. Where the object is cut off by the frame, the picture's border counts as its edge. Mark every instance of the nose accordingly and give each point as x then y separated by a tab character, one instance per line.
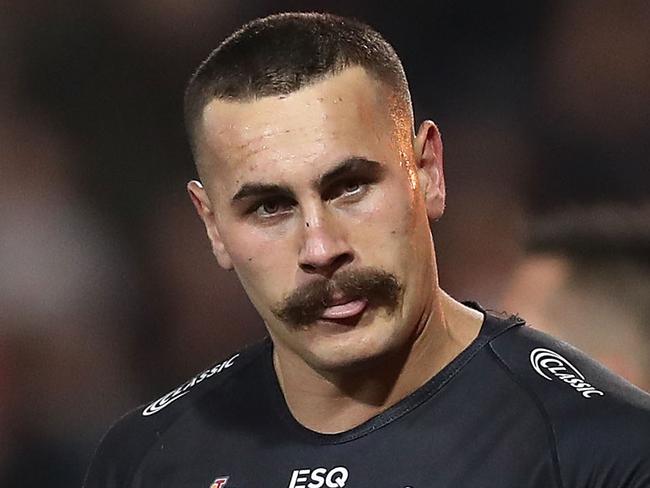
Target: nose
324	248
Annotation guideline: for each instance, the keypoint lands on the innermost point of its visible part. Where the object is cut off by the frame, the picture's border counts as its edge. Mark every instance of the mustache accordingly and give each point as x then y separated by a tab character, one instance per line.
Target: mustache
307	303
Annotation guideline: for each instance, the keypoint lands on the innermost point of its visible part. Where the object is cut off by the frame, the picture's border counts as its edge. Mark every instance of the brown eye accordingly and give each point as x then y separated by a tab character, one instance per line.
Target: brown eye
271	208
351	187
348	189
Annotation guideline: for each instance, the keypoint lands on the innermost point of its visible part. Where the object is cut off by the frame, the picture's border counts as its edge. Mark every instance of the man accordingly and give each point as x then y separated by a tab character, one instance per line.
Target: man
316	189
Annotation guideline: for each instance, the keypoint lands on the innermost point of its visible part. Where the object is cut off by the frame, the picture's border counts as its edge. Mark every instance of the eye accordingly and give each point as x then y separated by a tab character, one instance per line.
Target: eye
351	187
270	208
348	189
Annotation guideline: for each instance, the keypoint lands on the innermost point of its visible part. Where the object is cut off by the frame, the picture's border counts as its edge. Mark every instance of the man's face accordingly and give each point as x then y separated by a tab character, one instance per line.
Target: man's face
314	199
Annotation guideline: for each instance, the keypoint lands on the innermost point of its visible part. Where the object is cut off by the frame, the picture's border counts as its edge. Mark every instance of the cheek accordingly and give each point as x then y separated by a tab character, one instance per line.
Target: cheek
388	223
249	246
262	261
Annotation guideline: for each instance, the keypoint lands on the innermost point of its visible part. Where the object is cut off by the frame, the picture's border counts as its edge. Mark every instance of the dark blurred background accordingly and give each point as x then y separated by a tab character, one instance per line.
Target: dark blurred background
109	295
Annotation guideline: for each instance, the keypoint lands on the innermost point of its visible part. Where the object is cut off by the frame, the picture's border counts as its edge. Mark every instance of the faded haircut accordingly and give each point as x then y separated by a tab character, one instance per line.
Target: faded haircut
282	53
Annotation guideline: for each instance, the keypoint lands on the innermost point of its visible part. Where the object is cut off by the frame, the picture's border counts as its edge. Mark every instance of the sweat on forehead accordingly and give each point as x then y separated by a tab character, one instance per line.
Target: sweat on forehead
329	116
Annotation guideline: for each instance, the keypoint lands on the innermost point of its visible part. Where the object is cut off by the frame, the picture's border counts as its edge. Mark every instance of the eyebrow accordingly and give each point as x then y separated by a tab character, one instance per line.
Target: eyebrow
249	190
353	165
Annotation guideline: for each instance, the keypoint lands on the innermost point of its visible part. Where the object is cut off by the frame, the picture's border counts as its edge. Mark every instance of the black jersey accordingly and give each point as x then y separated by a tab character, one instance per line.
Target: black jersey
516	409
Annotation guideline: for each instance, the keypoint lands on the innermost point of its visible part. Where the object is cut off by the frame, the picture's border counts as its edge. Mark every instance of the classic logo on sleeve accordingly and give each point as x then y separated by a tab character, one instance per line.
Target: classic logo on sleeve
550	365
182	390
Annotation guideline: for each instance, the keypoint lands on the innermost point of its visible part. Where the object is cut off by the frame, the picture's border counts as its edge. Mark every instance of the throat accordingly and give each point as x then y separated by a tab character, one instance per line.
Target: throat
331	403
336	401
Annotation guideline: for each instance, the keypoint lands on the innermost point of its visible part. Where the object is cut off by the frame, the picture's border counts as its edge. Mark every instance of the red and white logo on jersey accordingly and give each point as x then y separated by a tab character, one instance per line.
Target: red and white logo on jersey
219	482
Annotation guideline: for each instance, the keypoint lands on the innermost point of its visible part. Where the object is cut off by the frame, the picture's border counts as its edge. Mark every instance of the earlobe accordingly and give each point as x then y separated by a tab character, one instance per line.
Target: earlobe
203	207
429	153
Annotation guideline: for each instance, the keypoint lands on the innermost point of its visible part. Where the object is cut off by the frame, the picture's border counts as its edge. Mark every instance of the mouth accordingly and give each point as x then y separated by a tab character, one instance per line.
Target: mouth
346	299
345	309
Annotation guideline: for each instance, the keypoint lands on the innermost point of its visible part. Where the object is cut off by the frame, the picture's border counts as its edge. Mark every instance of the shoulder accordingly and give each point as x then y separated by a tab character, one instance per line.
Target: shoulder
557	371
131	437
600	423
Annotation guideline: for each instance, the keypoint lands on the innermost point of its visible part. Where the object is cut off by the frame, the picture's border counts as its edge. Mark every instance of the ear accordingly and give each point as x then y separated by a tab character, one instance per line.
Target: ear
203	207
428	154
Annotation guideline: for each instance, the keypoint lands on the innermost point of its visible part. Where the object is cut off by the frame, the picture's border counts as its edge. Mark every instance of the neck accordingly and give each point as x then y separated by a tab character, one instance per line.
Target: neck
331	402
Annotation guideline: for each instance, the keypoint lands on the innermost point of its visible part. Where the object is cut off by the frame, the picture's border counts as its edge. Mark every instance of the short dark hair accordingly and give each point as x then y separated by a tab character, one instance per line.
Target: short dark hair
282	53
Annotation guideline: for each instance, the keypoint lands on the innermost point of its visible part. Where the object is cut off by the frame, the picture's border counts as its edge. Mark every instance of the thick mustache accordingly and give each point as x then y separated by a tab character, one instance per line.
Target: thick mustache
306	304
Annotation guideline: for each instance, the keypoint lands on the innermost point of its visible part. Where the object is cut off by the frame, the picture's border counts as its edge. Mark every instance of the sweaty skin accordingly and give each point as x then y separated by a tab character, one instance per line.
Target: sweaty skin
325	181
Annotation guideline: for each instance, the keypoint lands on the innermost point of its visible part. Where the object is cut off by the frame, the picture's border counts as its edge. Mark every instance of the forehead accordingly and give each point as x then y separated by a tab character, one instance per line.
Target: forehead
343	115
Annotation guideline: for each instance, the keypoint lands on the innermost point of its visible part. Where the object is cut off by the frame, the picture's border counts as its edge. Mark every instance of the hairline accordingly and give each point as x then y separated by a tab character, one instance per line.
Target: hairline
402	98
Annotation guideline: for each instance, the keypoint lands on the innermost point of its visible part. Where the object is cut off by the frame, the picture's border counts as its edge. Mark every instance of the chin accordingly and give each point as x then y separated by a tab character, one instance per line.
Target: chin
357	348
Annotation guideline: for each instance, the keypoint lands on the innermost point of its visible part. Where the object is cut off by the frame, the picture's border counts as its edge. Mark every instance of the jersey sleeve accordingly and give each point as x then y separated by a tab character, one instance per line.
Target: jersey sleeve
599	423
119	453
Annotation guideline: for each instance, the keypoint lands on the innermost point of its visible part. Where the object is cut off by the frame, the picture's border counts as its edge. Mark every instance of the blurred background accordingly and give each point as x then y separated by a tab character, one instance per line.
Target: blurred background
109	295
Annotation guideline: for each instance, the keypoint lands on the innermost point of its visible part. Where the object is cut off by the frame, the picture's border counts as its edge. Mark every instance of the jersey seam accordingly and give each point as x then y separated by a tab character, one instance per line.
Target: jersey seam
247	357
224	382
413	401
543	412
191	400
433	392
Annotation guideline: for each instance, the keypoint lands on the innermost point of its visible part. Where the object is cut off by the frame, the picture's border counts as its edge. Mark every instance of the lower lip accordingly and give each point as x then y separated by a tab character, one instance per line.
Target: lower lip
345	310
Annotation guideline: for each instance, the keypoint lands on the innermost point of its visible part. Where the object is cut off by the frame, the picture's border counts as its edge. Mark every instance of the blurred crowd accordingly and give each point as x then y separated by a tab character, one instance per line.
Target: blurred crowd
109	294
